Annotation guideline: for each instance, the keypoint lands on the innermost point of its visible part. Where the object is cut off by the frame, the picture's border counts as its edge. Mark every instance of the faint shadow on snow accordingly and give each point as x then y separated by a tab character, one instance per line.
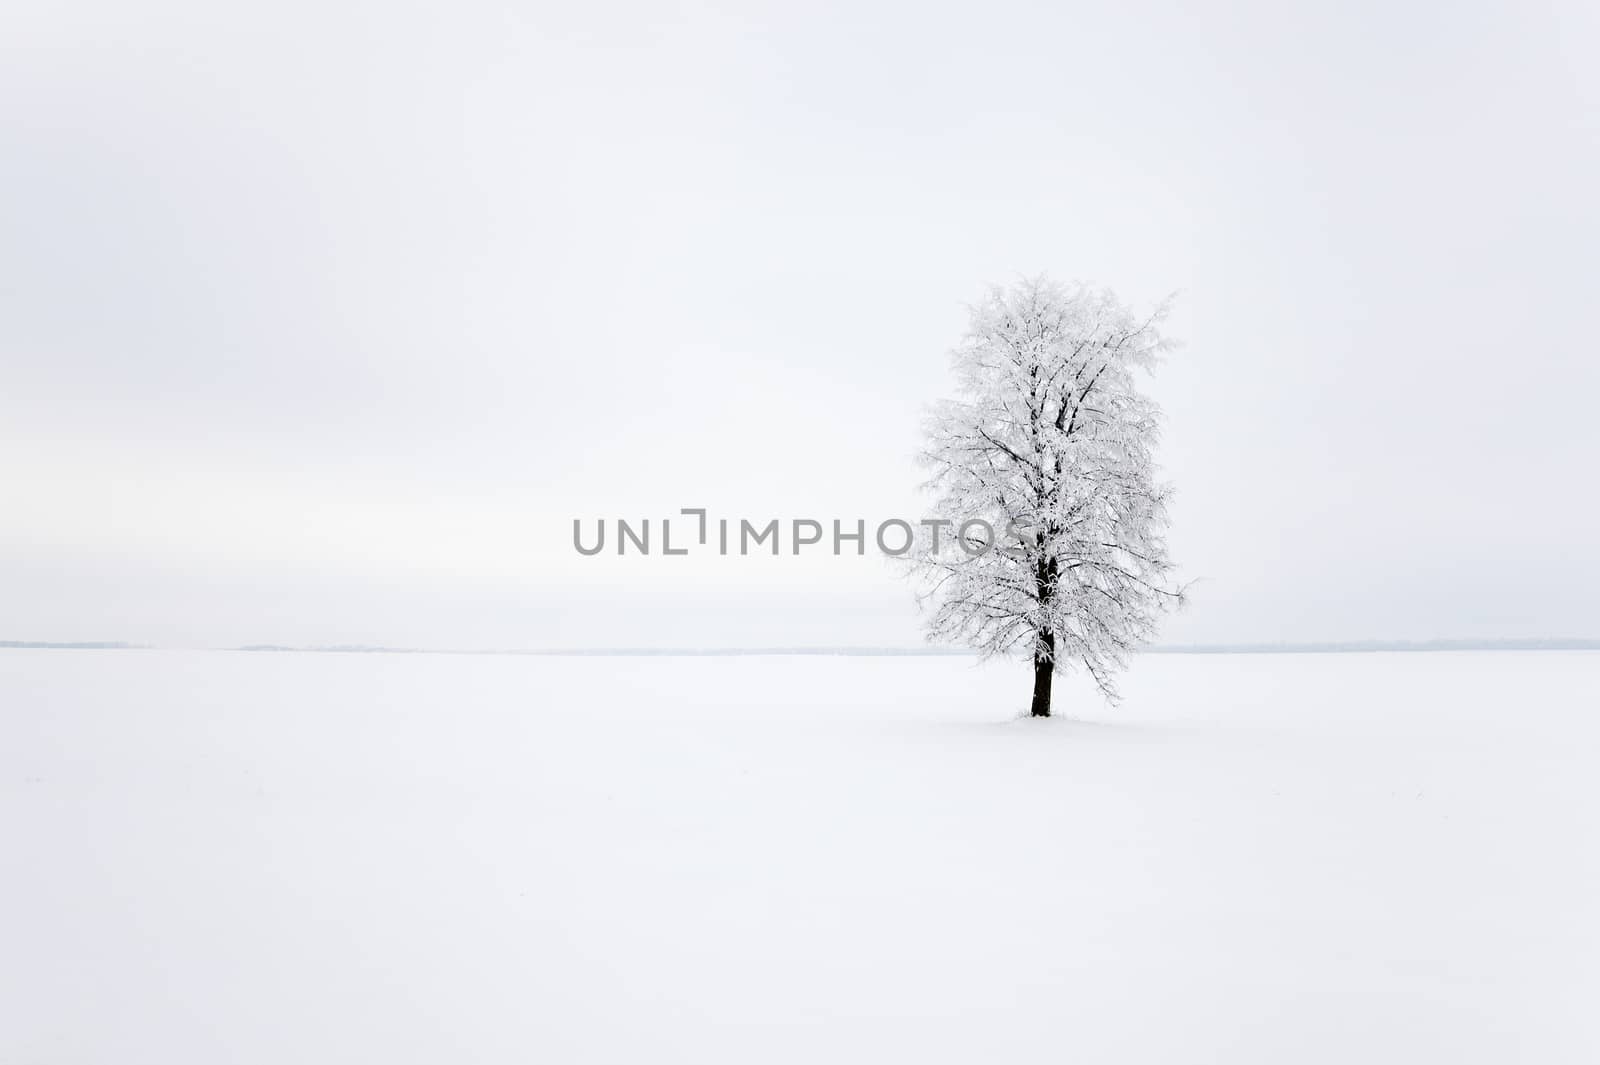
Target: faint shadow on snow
1065	724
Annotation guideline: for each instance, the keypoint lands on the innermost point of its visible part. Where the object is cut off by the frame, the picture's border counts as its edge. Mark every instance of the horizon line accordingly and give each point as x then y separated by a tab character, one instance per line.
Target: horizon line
865	651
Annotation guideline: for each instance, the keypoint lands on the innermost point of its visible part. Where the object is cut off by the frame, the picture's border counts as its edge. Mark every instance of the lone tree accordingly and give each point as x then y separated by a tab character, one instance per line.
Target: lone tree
1049	445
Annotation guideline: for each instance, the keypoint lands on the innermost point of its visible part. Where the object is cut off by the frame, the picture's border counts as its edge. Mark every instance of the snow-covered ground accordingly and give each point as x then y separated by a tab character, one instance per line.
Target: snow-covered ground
224	857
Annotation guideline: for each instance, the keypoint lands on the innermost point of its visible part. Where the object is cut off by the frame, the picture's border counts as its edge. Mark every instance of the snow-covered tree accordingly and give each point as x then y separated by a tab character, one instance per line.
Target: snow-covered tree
1049	444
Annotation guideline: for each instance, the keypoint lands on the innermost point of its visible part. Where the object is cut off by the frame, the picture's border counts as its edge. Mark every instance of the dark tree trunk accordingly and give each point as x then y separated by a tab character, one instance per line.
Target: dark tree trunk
1044	668
1044	648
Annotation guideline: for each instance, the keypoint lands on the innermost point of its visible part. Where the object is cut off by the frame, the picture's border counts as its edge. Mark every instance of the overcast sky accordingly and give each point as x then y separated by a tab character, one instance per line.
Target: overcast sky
321	322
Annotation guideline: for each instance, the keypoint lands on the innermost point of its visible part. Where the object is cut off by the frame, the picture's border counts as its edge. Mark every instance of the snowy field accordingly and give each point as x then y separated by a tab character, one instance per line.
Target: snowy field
216	857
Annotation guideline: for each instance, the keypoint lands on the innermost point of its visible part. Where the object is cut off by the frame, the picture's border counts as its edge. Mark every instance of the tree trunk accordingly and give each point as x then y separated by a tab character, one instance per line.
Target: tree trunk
1044	648
1044	668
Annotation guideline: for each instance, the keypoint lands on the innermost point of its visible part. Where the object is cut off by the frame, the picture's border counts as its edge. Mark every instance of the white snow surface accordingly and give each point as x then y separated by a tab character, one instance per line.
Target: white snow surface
216	857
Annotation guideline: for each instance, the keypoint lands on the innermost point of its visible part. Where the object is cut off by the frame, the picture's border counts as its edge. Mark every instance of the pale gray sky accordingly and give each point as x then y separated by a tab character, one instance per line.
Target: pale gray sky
322	321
